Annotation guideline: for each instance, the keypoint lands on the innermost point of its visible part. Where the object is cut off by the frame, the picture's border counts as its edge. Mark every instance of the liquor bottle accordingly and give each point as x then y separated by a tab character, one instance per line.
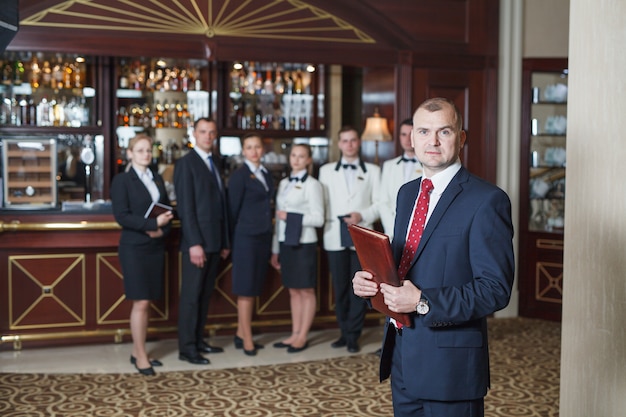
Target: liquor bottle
186	117
258	83
35	73
7	73
57	74
298	83
289	82
123	80
166	114
235	81
46	74
18	72
68	70
268	85
156	153
250	80
279	85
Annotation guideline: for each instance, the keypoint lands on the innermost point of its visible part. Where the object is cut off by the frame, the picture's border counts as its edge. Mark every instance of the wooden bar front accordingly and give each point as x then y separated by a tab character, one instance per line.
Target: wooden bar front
64	285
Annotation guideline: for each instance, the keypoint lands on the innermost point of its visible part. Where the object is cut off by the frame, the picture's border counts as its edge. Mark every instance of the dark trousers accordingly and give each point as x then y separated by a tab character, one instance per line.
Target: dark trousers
349	309
197	285
409	404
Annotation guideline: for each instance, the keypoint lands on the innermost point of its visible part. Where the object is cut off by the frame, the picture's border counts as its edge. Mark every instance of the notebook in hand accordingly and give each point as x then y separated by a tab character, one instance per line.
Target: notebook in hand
374	252
155	209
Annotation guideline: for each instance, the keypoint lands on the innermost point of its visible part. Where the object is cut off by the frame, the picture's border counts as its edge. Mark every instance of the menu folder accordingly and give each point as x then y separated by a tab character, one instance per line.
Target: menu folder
374	252
155	209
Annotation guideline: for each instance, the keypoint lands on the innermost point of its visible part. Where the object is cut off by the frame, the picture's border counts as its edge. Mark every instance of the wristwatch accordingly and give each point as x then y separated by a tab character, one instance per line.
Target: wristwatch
422	307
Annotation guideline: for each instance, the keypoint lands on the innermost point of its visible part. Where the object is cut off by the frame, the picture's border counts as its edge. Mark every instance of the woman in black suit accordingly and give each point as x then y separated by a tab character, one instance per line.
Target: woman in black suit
142	246
250	192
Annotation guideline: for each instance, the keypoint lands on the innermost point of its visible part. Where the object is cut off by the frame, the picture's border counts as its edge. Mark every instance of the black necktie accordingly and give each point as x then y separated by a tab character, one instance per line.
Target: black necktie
213	170
296	179
349	166
408	159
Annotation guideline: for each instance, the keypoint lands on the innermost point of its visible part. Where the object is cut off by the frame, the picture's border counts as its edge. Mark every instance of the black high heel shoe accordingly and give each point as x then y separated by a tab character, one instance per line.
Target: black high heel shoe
239	345
146	371
153	362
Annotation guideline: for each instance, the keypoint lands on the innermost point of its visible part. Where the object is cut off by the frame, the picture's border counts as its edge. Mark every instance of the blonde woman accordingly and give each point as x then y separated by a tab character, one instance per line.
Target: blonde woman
142	245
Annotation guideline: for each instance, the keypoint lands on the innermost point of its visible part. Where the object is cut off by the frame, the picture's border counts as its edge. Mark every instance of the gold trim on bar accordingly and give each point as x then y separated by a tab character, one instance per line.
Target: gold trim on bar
17	226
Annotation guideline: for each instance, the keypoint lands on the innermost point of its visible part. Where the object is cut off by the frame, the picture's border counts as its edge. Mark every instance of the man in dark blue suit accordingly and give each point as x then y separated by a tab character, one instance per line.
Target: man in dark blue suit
461	272
201	206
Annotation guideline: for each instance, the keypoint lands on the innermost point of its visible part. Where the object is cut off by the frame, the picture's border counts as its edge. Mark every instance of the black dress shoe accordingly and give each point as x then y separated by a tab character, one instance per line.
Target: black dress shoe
146	371
293	349
353	347
339	343
378	352
280	345
206	348
238	341
153	362
196	360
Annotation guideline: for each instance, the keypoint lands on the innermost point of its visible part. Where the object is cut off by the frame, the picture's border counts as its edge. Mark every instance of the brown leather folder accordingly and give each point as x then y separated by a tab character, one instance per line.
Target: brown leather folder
156	209
374	252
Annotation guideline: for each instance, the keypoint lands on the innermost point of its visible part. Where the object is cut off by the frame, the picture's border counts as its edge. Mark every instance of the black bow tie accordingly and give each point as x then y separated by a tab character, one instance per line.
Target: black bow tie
296	179
408	159
349	166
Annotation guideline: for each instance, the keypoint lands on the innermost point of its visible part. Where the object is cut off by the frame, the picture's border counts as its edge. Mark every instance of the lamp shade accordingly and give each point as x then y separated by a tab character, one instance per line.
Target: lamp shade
376	129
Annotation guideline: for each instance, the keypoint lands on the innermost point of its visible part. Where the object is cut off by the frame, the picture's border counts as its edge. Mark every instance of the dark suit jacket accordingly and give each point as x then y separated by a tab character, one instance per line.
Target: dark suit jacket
250	204
464	266
131	199
200	205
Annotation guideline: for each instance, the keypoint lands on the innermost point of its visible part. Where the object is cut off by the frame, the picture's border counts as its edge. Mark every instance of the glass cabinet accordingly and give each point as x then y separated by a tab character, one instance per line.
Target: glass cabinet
542	187
548	128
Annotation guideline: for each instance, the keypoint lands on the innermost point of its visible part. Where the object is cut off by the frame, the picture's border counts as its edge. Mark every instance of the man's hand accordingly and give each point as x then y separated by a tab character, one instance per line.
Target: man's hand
197	256
401	299
364	285
353	218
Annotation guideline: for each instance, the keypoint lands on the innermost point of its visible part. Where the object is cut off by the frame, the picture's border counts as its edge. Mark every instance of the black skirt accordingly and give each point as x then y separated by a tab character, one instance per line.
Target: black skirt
142	267
251	256
298	265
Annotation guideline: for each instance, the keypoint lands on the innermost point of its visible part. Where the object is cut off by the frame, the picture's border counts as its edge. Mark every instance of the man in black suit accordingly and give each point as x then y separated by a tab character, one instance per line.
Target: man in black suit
201	207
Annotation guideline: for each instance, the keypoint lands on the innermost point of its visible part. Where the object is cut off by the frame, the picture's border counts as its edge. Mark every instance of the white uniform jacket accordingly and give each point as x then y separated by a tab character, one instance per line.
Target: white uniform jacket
341	201
305	197
391	180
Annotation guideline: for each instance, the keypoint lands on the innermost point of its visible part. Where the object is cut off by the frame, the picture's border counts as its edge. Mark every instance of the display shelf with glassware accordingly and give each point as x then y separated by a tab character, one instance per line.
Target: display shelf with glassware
542	187
547	151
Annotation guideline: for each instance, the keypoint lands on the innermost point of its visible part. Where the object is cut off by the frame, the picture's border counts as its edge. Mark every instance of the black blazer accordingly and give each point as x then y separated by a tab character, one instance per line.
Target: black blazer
251	211
131	199
201	205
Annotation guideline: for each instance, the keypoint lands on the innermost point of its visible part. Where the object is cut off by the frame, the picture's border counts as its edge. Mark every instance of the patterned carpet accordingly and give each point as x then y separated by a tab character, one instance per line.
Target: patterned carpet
525	382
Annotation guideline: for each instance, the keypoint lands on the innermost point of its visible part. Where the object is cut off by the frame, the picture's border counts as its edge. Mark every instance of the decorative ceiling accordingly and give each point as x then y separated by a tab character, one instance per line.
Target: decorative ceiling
259	19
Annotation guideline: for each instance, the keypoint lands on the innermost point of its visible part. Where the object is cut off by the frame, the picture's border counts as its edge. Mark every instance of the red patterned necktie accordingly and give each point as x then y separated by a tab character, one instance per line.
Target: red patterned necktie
417	227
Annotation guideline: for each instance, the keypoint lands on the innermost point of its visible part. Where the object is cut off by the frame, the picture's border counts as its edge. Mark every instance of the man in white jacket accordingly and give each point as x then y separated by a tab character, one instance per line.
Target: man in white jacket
350	187
396	172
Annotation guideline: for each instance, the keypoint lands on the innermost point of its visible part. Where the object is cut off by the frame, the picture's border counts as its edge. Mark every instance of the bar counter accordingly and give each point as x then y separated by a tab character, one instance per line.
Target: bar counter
62	284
